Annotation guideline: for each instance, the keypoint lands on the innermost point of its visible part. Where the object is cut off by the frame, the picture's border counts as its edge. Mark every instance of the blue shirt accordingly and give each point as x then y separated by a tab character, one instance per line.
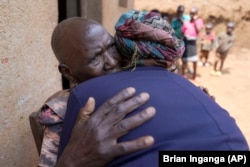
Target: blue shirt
186	118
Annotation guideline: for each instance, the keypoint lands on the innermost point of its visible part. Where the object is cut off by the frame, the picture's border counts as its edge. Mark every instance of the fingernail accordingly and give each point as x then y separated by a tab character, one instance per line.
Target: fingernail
131	90
144	96
149	140
90	100
151	111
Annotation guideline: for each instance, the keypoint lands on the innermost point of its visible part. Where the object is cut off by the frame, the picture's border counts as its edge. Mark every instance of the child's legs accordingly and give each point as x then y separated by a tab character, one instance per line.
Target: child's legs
184	67
217	60
195	69
223	58
201	55
206	53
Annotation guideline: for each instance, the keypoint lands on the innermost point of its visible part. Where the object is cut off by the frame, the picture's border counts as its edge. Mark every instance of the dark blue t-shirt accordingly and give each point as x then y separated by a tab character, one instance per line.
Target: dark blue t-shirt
186	118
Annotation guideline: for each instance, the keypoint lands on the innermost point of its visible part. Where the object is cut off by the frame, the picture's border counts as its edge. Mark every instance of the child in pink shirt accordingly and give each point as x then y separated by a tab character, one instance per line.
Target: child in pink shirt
207	45
191	28
191	31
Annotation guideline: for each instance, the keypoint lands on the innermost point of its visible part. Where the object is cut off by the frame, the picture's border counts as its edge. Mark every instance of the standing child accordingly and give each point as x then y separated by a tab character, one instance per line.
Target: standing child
224	43
191	31
178	21
176	24
207	44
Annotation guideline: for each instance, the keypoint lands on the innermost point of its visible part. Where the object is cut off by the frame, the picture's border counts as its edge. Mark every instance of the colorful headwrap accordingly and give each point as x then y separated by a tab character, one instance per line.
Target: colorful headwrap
147	39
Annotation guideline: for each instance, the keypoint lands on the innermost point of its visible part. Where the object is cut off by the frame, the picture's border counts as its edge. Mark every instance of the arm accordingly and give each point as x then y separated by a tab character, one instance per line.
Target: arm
51	117
218	40
51	136
198	24
93	142
183	28
214	42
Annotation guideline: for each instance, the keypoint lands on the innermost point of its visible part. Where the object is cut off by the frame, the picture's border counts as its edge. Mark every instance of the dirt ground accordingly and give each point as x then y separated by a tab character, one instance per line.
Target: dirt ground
231	90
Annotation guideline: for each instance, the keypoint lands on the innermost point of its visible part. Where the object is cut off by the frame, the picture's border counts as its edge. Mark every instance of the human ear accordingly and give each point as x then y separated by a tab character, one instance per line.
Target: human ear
66	72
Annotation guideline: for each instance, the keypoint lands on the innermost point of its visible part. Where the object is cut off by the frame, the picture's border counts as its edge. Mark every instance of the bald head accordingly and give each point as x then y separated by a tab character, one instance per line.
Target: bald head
69	35
84	49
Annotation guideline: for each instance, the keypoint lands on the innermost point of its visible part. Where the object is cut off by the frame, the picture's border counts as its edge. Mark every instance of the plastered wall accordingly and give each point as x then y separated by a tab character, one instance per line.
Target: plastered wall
112	10
28	74
28	69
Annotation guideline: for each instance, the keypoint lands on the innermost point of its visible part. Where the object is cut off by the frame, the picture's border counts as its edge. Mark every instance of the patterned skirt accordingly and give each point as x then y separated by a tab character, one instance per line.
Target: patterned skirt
190	53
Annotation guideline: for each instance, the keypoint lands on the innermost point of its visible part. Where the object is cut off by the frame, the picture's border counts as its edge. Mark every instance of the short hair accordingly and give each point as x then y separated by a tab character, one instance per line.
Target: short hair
194	10
180	8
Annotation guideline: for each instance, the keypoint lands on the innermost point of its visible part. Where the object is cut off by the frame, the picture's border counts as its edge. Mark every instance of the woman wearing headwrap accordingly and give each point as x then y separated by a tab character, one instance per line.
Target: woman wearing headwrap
144	38
186	118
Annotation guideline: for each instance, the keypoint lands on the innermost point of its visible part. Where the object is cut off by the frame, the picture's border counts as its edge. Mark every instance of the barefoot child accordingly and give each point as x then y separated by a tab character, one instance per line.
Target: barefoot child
207	44
224	43
191	31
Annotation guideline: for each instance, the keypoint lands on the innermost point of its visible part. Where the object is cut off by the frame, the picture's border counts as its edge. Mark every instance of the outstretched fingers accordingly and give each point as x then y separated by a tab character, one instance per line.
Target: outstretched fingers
115	109
125	148
126	125
125	107
86	110
115	100
119	98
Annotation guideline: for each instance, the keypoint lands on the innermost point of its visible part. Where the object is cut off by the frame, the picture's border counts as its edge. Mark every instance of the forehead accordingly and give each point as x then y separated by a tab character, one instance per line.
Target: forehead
84	37
96	38
95	32
93	41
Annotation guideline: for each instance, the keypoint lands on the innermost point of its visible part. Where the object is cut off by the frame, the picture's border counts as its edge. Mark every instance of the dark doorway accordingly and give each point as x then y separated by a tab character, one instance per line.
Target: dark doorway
62	14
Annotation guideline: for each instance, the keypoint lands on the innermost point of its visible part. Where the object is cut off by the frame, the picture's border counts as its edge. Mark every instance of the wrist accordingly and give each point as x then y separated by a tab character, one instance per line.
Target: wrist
70	158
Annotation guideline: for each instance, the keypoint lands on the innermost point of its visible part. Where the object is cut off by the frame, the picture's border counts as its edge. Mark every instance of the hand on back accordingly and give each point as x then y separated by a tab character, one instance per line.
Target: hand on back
93	140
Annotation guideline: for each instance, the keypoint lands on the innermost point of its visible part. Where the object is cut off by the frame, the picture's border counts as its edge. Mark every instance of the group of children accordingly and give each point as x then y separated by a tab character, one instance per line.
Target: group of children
222	43
189	28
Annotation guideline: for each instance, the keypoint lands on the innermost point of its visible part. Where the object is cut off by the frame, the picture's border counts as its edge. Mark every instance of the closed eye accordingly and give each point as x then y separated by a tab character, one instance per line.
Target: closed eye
112	46
96	60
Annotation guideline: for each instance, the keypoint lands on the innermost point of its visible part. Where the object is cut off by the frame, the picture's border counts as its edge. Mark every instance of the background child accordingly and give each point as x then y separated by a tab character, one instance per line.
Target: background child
207	44
191	31
178	21
224	43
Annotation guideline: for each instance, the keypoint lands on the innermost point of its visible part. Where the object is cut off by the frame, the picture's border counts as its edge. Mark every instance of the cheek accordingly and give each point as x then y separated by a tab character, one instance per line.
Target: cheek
93	71
117	56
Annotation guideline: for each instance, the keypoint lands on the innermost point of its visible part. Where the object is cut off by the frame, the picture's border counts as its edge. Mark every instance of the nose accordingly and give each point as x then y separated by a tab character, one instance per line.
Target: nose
110	62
